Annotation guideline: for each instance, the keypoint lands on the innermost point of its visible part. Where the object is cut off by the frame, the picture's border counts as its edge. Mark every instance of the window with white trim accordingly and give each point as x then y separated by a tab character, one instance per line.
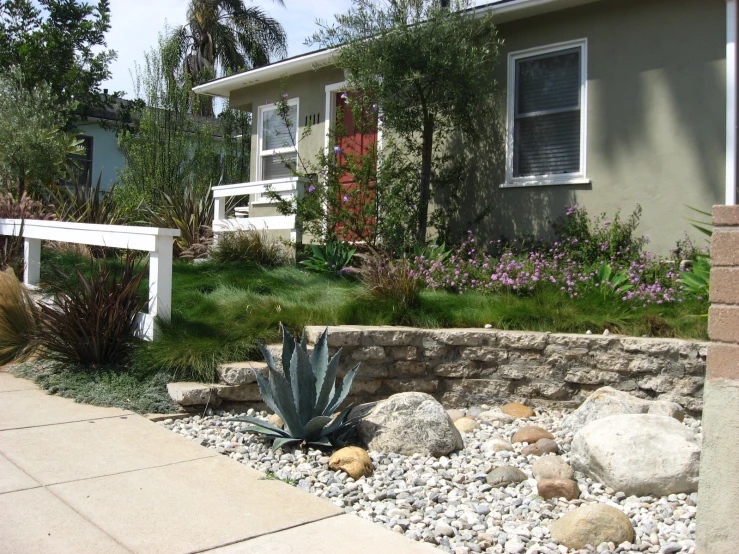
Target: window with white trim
546	115
277	142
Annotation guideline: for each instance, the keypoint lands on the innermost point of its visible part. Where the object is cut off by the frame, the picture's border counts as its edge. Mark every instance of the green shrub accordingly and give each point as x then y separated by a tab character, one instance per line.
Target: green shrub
92	323
252	246
333	258
598	239
305	396
387	279
189	212
17	318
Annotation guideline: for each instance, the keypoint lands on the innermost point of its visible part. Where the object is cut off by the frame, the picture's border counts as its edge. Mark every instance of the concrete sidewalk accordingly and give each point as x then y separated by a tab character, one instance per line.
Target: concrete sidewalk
82	479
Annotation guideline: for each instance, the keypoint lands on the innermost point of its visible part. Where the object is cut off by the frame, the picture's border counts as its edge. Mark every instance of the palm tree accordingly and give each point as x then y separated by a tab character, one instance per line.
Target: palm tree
226	35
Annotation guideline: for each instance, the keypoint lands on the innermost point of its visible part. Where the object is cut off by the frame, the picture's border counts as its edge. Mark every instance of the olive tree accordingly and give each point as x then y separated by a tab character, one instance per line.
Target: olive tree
428	67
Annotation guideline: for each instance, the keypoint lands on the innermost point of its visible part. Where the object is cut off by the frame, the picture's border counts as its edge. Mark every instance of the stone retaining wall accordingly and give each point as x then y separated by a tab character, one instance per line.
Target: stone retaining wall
462	367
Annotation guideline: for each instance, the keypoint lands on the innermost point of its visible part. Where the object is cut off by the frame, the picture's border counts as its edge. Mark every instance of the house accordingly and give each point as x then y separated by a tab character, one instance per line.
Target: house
101	156
647	113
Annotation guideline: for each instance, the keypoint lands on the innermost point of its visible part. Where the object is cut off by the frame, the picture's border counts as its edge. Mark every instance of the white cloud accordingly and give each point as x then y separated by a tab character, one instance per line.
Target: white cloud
136	24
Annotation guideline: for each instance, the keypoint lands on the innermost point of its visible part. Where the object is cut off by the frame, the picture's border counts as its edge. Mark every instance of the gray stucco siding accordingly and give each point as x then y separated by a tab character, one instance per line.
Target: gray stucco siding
655	116
655	120
107	159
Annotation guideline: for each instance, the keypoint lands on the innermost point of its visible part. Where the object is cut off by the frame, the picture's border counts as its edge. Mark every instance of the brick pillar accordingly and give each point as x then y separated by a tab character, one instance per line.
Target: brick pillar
718	490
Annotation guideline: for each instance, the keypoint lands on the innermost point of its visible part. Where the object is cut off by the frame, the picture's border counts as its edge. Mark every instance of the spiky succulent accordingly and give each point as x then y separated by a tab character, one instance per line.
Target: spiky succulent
304	395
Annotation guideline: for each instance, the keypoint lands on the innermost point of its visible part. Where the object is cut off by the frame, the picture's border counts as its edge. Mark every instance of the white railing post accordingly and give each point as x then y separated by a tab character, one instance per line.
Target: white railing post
32	259
219	208
160	279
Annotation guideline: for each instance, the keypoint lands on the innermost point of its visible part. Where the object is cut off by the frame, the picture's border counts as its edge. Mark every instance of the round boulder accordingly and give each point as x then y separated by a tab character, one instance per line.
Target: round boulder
276	420
552	467
517	410
592	524
353	461
558	488
505	475
540	447
639	454
608	401
408	423
466	424
531	434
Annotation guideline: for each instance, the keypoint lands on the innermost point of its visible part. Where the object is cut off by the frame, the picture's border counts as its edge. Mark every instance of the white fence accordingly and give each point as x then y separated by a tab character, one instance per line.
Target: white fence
291	186
158	242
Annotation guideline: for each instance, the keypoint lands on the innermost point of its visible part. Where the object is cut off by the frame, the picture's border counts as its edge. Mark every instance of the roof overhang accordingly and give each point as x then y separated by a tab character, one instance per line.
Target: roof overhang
503	11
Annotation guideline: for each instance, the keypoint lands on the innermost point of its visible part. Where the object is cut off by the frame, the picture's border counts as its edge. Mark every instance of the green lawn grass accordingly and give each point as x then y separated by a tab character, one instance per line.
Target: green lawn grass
220	310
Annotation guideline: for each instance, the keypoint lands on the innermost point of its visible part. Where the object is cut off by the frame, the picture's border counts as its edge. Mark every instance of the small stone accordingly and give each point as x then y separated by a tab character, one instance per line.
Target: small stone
540	447
606	333
588	332
558	488
517	410
353	461
491	416
474	411
444	529
466	424
505	475
454	415
552	467
531	434
496	444
488	326
276	420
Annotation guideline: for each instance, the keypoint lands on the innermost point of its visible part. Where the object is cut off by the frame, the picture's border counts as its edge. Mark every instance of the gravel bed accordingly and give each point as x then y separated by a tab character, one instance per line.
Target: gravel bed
446	501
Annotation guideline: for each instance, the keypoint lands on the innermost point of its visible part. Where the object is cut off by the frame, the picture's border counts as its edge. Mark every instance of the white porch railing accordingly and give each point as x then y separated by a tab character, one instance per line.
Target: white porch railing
290	186
158	242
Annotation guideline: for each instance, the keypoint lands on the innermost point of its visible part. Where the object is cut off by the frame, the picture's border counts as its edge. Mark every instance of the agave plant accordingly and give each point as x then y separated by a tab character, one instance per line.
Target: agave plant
305	396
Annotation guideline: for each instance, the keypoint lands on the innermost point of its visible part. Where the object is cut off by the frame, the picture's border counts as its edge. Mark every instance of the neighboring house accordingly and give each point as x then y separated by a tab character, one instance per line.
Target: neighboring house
608	103
102	157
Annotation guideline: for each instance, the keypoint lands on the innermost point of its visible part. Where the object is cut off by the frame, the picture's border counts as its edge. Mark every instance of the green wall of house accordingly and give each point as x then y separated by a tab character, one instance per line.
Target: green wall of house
655	118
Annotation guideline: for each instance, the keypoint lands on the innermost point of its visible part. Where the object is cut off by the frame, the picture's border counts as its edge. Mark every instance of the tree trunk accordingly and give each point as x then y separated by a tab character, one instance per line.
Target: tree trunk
427	143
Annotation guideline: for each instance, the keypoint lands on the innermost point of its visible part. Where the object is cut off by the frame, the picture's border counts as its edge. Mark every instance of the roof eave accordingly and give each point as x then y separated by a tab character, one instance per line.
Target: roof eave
503	11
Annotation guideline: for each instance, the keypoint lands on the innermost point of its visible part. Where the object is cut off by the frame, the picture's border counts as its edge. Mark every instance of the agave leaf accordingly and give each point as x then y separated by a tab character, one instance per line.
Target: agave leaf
265	433
288	346
286	408
323	441
304	341
267	355
282	441
338	421
319	362
328	387
305	391
343	392
258	422
315	426
265	389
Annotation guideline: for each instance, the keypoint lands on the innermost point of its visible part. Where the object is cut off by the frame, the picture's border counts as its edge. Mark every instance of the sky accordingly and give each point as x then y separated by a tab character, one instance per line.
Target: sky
135	25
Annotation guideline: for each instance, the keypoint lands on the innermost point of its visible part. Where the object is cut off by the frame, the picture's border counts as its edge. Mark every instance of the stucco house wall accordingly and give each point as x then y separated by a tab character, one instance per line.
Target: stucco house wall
656	118
106	157
656	113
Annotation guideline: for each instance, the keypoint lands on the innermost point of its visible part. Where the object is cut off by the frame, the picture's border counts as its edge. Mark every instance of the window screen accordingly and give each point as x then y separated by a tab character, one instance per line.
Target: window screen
546	136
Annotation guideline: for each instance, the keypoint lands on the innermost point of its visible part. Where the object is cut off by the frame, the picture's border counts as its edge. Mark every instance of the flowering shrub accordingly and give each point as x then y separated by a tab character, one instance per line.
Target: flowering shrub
603	255
398	281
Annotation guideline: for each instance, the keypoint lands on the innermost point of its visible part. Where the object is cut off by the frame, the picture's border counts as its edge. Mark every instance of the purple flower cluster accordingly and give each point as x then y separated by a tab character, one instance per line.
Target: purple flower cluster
517	269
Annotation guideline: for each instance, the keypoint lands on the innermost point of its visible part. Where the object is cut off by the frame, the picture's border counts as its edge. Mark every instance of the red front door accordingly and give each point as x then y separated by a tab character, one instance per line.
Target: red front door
357	156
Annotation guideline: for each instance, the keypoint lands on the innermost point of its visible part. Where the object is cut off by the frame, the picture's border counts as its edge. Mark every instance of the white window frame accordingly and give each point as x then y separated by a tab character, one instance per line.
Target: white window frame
260	132
578	177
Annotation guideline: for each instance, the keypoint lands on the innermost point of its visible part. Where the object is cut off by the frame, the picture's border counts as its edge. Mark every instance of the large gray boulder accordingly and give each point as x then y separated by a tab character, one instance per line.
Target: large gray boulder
408	423
608	401
639	454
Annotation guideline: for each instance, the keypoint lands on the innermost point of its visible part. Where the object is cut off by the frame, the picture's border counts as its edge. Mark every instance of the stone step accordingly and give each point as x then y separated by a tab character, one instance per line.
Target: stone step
239	373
